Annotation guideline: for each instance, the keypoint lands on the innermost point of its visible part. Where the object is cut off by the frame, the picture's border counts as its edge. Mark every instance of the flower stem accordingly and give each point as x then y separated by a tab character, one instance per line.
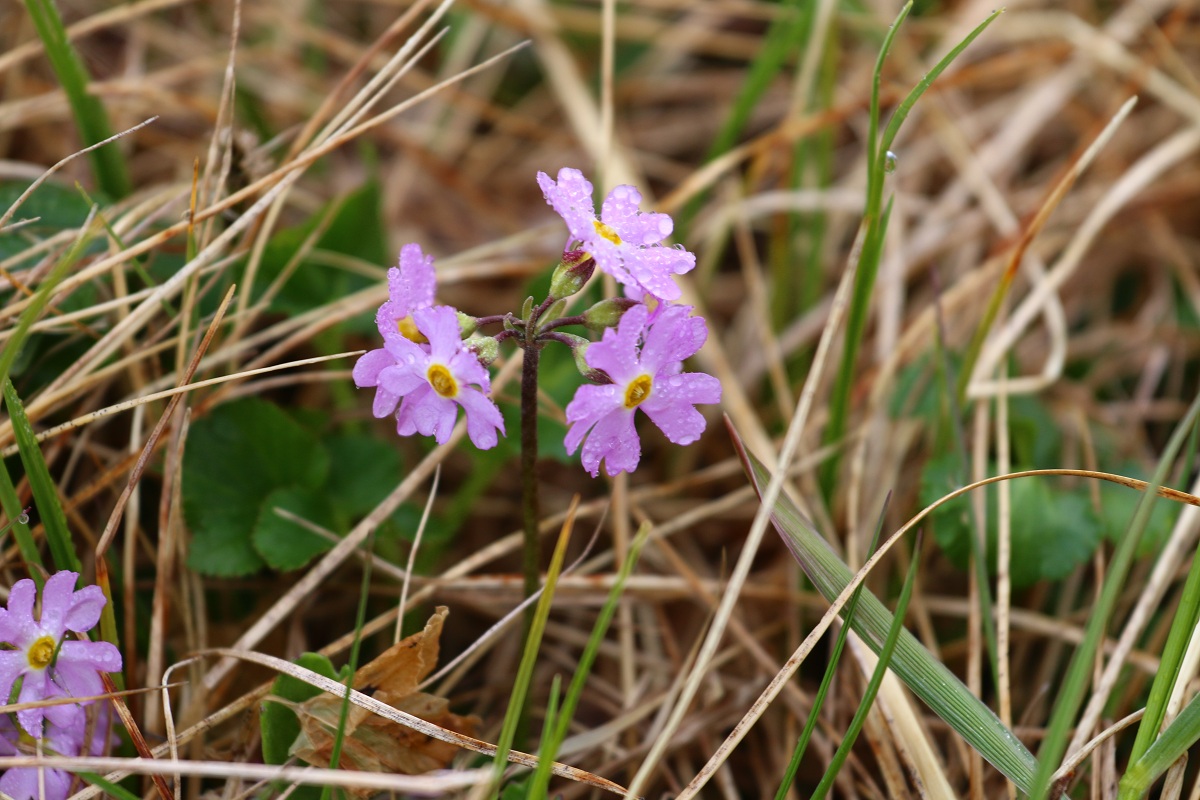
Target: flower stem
529	451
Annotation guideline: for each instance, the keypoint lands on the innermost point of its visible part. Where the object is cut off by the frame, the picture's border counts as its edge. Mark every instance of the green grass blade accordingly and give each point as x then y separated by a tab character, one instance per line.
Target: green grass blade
810	724
540	784
1186	615
540	779
881	668
110	788
927	677
533	641
45	493
107	162
1070	696
20	530
1175	741
42	297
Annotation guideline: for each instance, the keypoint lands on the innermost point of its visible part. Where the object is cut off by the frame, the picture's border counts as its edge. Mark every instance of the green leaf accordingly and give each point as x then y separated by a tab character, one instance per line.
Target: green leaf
286	545
235	458
927	677
356	229
363	469
1054	530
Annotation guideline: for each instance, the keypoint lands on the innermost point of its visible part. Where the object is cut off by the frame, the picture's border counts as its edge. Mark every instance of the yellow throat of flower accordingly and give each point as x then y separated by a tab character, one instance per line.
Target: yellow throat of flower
442	381
408	329
606	232
41	653
638	390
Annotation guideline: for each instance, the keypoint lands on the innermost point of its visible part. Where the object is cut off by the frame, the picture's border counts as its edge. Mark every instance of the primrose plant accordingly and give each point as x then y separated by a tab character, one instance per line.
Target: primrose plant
434	358
44	662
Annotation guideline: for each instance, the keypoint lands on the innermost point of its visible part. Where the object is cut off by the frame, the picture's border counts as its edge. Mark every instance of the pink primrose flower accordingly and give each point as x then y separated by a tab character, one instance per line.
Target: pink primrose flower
644	360
625	242
49	662
22	783
431	381
410	287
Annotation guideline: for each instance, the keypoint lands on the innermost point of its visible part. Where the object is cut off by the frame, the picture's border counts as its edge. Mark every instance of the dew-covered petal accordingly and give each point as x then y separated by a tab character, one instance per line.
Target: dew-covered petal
586	408
671	404
466	369
430	415
609	258
653	268
483	418
673	337
12	664
613	439
405	421
85	608
16	623
35	686
440	326
571	197
620	212
616	353
414	283
400	380
56	600
366	369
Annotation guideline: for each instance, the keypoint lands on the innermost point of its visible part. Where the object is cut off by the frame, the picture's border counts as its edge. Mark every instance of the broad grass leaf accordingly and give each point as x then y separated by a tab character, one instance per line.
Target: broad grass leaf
278	722
235	458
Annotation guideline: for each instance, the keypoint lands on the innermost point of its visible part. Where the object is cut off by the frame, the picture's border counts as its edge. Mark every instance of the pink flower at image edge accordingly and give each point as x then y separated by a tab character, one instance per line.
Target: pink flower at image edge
650	379
51	662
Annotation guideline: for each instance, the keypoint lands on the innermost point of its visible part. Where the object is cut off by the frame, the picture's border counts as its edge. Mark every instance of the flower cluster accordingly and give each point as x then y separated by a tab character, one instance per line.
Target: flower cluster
434	358
48	664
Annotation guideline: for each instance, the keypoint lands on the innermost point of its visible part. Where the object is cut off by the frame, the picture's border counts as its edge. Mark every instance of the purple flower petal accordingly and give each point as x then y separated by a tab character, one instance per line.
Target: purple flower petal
35	686
613	439
571	197
671	404
366	369
652	268
586	408
16	625
440	326
56	600
673	337
23	783
415	281
616	353
620	212
84	612
483	418
12	664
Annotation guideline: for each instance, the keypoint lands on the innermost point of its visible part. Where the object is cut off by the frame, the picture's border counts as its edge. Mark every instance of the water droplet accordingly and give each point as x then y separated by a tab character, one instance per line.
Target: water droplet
889	162
23	519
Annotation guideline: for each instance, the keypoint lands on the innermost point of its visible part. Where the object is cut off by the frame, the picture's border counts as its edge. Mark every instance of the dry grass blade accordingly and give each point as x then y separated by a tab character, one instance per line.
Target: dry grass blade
408	720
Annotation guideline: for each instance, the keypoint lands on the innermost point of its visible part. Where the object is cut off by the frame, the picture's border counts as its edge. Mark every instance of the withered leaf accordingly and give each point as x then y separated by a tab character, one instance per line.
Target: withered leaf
372	743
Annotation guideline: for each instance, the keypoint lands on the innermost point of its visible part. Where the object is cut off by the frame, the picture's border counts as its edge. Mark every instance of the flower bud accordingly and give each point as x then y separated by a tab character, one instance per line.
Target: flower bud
607	313
571	273
485	348
579	346
467	325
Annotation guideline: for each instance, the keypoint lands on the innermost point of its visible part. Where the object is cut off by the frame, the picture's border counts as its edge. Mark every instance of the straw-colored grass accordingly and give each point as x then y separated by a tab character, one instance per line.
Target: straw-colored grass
265	113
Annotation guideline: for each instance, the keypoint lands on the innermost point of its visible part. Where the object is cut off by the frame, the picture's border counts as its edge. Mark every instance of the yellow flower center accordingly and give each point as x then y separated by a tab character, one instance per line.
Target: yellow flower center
408	329
606	232
637	391
442	381
41	652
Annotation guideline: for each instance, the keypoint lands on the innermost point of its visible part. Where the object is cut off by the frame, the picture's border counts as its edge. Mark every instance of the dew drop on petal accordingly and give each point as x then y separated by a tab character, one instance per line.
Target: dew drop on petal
889	162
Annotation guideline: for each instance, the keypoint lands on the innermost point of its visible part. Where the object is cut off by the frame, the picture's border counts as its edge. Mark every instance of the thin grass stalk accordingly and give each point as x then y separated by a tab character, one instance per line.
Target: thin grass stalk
339	737
810	724
540	784
1070	695
19	524
1176	739
881	668
111	173
533	640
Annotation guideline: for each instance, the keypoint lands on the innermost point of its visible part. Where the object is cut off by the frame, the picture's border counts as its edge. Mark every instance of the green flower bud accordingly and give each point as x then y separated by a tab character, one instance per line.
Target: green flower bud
467	325
571	273
607	313
485	347
579	346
